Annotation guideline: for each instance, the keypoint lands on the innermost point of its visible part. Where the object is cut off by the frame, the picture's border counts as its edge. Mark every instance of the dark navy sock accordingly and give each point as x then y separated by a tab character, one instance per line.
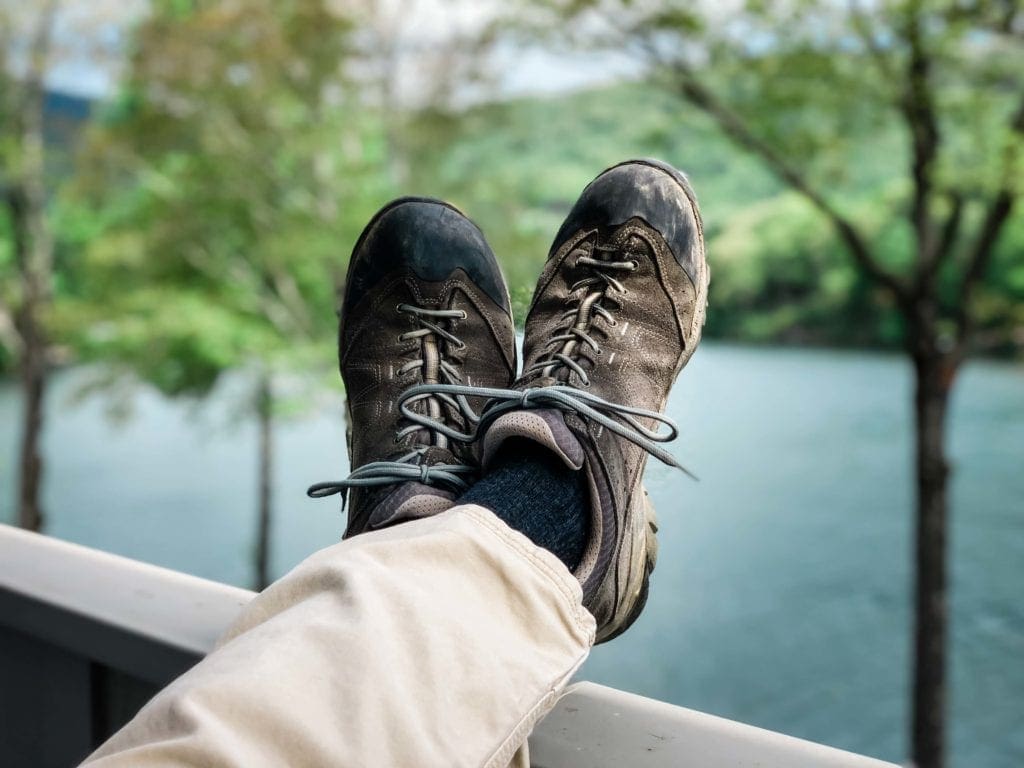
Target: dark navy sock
531	489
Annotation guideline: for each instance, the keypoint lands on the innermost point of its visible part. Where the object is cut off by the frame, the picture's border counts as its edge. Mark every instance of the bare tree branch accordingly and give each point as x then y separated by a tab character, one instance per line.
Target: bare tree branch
737	130
6	89
918	108
15	202
244	272
27	195
39	55
862	26
9	336
950	230
996	216
290	297
1008	17
999	16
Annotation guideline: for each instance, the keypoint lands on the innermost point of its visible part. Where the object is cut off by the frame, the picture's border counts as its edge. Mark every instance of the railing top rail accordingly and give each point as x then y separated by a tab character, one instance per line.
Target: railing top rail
146	621
153	623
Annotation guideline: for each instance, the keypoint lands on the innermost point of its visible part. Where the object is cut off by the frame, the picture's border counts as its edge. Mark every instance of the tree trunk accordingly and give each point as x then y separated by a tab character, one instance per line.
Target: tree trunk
33	251
33	385
264	409
33	254
934	377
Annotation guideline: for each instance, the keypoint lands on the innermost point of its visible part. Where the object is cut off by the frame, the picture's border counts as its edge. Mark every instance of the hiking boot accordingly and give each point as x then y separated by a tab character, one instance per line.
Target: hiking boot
425	303
617	313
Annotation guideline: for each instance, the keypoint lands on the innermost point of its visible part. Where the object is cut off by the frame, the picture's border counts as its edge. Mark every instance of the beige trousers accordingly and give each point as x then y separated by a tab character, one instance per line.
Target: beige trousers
439	642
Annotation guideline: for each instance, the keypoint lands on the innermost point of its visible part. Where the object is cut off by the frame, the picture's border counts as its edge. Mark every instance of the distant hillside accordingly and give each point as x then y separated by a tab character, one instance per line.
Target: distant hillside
778	273
64	117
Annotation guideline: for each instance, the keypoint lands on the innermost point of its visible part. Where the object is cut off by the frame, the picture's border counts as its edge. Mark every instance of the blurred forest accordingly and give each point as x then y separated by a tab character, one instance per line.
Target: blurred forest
203	213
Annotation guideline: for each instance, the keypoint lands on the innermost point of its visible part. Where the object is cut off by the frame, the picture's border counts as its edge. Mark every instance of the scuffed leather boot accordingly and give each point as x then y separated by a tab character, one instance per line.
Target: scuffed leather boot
617	313
425	303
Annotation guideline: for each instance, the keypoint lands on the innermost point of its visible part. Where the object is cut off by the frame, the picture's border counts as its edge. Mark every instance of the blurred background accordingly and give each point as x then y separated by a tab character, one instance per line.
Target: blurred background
182	183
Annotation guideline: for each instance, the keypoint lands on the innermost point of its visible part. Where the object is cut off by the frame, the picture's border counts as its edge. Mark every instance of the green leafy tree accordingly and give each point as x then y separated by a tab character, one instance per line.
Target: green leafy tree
228	177
781	273
792	83
33	162
28	266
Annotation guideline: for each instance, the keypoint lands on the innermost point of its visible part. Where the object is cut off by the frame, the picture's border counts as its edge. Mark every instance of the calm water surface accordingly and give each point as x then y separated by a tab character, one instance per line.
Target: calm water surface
781	594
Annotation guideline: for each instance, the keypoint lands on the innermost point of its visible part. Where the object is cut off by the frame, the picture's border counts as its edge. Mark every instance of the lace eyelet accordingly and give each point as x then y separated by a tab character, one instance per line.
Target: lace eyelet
463	316
634	264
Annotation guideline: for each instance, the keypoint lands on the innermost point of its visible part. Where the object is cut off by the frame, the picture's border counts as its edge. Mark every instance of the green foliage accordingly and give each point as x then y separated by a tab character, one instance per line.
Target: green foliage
779	272
1000	307
780	275
516	167
223	188
914	107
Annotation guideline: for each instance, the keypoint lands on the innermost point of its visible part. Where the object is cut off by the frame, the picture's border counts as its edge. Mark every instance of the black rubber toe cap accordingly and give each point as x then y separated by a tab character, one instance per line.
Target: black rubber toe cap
648	189
429	237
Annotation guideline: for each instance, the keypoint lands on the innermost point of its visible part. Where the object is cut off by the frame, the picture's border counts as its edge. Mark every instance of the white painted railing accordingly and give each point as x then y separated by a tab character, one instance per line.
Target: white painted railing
87	637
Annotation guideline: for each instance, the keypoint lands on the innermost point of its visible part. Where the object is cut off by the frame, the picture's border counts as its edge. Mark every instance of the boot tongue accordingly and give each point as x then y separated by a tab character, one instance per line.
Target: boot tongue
409	501
545	426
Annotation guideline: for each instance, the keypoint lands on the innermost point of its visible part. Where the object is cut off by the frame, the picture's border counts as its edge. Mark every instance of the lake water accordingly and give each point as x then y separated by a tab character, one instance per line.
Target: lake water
781	594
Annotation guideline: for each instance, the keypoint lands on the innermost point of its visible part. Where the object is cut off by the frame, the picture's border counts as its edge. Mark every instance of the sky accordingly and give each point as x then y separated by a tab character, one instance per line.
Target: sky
90	41
425	28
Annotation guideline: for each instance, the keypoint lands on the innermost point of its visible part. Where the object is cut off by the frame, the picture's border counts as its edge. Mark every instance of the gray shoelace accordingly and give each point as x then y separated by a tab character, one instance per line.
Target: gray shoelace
410	465
573	338
621	420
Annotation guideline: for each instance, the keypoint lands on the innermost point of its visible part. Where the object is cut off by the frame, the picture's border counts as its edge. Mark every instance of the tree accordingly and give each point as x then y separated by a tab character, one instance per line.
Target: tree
24	192
406	66
34	40
791	83
228	175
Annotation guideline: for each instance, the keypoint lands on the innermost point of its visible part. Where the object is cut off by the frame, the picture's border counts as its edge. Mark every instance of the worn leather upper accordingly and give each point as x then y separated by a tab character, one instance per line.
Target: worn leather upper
641	216
431	240
423	253
647	190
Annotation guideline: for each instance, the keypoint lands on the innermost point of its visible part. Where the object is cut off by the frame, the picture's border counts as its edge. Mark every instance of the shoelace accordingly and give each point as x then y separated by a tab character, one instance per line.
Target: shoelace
578	316
619	419
409	466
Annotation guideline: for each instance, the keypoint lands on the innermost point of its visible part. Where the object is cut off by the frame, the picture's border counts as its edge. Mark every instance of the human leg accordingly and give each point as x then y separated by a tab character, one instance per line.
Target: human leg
485	587
617	313
438	642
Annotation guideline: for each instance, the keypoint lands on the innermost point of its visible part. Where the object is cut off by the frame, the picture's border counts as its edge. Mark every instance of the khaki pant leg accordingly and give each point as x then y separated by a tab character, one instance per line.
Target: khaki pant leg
439	642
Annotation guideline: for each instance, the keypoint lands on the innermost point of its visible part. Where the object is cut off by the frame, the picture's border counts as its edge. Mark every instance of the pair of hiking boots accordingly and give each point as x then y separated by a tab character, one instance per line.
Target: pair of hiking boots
427	352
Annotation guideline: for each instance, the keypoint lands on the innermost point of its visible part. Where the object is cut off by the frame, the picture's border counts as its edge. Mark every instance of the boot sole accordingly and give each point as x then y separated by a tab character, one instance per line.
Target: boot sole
650	559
